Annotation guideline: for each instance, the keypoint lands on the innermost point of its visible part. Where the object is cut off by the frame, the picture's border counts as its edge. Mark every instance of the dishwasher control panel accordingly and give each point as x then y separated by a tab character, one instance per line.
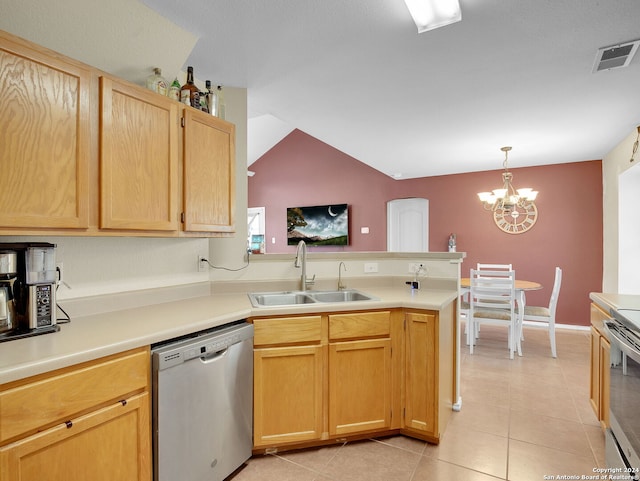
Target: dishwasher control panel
201	346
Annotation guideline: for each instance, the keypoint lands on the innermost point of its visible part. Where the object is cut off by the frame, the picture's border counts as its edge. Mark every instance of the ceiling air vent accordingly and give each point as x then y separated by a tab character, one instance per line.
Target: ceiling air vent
617	56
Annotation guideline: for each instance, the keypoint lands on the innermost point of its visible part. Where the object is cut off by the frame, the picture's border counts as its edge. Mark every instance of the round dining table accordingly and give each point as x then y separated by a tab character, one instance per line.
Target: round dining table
521	285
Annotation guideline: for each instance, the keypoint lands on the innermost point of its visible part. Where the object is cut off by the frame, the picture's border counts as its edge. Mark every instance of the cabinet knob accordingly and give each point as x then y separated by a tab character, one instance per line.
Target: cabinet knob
68	424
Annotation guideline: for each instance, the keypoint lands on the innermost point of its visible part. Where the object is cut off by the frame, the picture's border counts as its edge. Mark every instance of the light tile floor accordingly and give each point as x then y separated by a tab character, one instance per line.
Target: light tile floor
521	420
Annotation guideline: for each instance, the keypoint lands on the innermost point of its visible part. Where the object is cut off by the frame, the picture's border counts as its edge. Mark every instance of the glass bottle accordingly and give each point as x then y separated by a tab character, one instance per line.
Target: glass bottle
203	102
212	99
221	104
189	93
156	82
174	90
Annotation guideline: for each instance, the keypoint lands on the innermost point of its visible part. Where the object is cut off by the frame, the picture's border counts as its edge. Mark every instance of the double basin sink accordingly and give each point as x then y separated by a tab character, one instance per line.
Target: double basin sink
293	298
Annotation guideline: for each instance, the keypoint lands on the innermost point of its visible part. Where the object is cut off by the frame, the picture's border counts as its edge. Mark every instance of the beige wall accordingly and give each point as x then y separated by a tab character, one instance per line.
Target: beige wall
231	252
613	164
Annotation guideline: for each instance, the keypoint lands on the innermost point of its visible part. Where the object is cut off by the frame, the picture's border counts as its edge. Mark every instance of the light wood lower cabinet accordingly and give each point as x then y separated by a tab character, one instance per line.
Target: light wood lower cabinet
287	394
90	421
421	371
429	372
359	372
102	446
323	378
289	361
600	360
605	383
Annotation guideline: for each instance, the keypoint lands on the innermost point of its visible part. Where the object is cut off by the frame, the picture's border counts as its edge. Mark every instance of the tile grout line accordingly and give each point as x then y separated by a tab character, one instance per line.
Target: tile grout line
315	471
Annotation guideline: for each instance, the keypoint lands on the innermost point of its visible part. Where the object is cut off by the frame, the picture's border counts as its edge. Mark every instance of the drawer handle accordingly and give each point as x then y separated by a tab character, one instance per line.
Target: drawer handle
68	424
123	402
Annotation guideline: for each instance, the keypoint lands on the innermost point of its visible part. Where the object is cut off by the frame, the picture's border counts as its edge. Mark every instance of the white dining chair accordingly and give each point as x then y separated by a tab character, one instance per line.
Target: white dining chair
547	314
464	301
494	267
492	300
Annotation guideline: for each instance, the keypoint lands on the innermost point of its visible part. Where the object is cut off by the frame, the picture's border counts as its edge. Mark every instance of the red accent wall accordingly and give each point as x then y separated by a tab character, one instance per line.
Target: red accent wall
302	170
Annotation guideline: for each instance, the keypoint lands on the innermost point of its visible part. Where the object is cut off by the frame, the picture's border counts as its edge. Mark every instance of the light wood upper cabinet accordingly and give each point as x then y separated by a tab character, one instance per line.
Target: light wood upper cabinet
138	158
44	138
209	173
83	152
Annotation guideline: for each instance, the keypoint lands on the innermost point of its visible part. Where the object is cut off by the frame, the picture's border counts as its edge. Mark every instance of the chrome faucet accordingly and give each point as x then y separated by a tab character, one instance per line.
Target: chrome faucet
341	285
301	261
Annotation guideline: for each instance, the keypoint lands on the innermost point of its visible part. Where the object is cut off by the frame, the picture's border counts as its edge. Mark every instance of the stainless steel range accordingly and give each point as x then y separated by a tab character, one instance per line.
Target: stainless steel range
623	436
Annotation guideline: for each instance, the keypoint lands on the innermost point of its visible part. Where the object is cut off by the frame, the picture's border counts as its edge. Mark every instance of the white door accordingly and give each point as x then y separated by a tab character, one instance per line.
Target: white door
408	225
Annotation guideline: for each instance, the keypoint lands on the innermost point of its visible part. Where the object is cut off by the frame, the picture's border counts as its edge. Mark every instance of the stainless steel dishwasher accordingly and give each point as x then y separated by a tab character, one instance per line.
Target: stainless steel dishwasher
203	404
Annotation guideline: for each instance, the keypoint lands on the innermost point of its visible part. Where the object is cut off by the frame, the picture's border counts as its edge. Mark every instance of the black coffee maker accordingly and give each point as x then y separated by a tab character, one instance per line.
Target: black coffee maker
8	274
33	288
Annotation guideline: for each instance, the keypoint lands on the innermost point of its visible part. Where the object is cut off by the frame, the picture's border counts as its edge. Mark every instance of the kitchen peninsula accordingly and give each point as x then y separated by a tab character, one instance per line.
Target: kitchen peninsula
110	344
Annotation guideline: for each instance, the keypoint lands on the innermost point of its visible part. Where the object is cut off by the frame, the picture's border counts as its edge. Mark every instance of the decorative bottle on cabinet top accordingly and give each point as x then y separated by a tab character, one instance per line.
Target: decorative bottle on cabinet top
212	99
156	82
174	90
189	93
221	105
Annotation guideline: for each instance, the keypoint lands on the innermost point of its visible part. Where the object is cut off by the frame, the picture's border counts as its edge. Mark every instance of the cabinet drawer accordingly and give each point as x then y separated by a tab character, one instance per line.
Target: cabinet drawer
60	395
359	325
287	330
111	443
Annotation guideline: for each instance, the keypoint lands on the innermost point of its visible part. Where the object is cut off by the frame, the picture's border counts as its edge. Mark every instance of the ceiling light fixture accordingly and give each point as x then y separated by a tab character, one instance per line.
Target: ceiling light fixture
430	14
514	211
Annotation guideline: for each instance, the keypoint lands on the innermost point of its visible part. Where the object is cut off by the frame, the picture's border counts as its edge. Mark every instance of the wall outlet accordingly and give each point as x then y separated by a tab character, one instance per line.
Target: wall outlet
202	264
370	267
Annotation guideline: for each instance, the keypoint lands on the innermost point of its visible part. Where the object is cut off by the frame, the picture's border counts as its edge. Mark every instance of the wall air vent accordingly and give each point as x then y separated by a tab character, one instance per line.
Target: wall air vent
616	56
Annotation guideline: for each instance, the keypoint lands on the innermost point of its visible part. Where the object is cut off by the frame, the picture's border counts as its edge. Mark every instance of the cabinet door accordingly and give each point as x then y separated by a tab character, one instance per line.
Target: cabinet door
287	395
594	384
359	386
421	373
605	355
138	158
44	140
109	444
209	173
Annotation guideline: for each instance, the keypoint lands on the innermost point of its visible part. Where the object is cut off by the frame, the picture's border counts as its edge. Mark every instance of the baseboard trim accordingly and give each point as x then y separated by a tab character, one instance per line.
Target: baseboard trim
573	327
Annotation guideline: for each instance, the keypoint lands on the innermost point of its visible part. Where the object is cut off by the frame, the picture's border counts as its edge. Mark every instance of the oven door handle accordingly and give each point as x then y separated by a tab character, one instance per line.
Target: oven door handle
624	346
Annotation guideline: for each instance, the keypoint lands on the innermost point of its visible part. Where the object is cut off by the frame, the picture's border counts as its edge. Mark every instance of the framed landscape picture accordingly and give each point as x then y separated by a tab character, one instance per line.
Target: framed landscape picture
320	225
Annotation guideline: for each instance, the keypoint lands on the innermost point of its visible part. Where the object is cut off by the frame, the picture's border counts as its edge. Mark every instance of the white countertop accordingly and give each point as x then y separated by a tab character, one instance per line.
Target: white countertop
91	337
615	301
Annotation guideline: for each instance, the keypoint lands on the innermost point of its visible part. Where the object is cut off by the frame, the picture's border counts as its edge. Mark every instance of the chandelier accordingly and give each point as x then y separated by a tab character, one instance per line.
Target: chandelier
514	211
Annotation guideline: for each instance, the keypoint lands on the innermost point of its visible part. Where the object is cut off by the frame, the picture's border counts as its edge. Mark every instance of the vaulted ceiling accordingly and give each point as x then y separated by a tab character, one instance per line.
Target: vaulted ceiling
358	76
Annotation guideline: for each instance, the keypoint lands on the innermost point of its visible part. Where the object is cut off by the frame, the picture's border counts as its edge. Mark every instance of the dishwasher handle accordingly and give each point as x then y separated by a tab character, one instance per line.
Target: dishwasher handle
214	356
